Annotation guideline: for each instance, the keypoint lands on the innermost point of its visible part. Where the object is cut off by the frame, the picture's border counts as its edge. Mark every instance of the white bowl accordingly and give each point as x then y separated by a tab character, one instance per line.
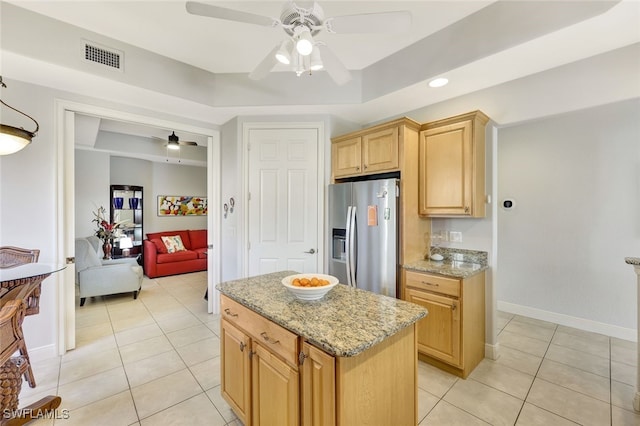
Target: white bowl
309	293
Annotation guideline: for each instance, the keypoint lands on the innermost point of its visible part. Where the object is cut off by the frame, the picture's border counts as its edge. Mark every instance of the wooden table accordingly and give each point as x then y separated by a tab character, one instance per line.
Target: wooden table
30	276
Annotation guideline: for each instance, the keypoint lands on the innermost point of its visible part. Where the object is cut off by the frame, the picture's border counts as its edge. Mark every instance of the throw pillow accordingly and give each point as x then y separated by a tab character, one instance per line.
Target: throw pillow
160	247
173	243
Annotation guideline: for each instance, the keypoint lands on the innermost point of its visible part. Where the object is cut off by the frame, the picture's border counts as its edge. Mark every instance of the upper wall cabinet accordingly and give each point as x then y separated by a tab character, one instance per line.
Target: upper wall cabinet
452	166
371	151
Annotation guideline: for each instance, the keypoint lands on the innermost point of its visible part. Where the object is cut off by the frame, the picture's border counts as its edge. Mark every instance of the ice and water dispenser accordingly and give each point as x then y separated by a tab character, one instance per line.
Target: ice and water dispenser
339	250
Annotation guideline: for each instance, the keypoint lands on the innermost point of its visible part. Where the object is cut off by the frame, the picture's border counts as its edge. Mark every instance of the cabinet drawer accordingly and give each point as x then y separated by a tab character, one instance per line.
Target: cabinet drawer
434	283
274	337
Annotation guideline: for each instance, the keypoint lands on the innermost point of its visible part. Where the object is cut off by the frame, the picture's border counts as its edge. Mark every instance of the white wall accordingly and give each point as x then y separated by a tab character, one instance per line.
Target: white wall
91	189
576	181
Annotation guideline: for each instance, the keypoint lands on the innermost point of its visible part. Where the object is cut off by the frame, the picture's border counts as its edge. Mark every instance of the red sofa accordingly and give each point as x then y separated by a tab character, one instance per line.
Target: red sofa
159	263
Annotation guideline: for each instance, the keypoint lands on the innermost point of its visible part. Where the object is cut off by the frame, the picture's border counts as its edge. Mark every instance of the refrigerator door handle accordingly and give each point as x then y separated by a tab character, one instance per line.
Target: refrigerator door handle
347	245
352	245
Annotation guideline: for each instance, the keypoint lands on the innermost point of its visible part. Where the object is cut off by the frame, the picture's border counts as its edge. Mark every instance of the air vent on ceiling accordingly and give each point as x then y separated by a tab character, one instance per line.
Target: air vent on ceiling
97	54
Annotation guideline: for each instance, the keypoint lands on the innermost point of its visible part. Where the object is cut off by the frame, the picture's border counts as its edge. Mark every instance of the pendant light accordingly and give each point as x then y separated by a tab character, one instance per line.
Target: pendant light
13	139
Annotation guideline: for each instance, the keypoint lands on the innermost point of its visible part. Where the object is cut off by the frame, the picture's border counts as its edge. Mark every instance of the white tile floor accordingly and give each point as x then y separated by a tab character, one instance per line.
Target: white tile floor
155	361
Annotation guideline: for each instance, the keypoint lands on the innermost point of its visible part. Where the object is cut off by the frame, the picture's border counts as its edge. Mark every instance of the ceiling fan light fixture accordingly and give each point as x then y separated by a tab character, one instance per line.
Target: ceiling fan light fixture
173	142
304	43
282	55
316	60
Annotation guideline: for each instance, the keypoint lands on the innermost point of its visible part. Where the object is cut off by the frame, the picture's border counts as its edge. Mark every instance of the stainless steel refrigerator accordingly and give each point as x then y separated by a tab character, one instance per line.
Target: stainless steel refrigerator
363	223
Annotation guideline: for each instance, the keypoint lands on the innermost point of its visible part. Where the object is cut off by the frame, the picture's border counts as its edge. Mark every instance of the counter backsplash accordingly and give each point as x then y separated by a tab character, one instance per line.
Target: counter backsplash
471	256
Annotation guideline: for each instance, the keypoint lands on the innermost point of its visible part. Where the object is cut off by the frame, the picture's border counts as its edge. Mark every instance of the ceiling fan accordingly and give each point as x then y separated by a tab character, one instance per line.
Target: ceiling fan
299	49
174	142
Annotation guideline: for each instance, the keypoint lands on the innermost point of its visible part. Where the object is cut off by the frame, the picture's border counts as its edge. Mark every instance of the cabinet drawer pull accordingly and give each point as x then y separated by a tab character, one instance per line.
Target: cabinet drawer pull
268	339
431	284
228	312
365	167
357	169
242	346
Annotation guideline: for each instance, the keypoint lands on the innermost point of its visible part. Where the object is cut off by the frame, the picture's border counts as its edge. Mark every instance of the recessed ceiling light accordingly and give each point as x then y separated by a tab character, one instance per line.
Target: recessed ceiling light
438	82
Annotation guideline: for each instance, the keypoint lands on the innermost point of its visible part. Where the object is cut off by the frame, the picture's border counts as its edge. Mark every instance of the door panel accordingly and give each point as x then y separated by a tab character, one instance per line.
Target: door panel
376	207
283	205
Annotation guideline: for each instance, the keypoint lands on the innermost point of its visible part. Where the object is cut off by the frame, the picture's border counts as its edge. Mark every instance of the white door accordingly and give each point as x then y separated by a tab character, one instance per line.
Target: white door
283	200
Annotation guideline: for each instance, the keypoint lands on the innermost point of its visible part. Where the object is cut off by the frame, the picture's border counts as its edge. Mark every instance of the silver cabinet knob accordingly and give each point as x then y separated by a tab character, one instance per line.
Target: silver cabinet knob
311	251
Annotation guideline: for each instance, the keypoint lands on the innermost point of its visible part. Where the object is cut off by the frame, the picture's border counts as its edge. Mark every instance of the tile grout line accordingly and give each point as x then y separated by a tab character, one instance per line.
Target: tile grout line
535	376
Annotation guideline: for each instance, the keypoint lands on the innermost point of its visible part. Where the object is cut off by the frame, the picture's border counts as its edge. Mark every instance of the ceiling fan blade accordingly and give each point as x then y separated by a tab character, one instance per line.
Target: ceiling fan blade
202	9
188	143
265	67
334	67
370	23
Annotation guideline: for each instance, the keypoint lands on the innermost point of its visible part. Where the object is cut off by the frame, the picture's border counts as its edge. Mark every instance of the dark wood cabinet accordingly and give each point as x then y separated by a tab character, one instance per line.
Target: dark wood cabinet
127	205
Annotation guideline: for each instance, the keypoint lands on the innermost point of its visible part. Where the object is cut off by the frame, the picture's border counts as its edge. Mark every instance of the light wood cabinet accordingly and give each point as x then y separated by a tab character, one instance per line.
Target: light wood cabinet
264	387
318	387
452	166
452	335
275	394
236	370
259	368
373	151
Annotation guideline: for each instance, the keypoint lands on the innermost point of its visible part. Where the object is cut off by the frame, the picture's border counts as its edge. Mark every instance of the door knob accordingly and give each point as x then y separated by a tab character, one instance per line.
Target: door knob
310	251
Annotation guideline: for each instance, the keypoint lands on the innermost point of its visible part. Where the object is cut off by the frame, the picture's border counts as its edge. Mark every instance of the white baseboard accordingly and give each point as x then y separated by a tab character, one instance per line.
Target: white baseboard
42	352
492	351
569	321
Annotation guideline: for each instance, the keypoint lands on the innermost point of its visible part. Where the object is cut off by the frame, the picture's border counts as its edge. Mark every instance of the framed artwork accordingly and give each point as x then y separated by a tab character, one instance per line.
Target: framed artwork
182	205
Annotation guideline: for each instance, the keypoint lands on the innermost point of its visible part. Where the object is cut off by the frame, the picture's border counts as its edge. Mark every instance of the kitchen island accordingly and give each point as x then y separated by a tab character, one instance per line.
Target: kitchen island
349	358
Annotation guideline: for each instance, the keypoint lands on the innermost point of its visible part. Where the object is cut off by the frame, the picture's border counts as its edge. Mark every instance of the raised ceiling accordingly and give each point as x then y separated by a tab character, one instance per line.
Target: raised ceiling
476	44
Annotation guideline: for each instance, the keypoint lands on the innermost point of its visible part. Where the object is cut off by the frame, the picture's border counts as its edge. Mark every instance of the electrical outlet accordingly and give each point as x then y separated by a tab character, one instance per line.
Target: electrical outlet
455	236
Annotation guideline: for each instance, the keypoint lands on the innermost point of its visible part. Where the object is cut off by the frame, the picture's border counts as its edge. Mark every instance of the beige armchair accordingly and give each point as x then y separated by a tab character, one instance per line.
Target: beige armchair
97	277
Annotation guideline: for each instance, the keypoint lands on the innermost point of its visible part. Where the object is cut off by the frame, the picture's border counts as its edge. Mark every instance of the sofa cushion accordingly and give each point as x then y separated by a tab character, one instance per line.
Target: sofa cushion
178	256
202	253
160	247
184	235
173	243
198	238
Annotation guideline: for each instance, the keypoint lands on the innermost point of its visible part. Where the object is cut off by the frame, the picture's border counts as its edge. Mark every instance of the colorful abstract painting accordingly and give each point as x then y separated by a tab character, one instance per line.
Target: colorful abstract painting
176	205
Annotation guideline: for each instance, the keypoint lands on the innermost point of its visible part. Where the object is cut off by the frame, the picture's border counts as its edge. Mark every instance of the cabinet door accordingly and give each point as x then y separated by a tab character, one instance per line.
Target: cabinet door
346	157
380	150
439	331
446	170
275	390
318	378
236	370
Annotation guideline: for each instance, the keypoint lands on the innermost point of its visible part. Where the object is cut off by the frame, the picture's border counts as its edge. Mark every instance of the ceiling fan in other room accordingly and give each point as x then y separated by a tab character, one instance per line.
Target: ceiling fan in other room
300	49
173	142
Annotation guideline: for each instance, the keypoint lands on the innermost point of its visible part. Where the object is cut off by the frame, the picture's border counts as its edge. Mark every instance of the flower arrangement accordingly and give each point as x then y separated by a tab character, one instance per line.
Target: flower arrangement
106	231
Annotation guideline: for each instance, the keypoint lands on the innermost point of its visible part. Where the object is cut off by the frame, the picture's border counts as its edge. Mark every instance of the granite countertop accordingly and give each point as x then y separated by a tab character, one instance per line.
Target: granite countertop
448	268
344	323
456	263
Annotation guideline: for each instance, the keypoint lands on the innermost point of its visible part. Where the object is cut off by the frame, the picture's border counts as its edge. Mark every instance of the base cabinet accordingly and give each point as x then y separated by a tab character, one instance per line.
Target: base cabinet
236	370
318	387
452	335
275	397
439	332
265	385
